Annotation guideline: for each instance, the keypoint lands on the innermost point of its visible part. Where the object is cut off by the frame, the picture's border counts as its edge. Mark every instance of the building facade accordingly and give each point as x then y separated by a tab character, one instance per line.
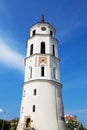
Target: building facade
42	105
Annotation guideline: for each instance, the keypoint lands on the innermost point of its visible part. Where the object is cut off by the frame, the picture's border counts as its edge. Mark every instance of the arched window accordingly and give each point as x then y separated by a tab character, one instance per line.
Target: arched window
51	33
30	72
53	47
42	71
31	49
54	73
34	32
28	122
42	47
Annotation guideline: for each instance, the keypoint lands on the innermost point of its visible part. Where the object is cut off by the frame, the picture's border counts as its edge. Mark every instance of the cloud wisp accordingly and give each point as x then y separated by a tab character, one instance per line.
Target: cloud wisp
10	57
1	110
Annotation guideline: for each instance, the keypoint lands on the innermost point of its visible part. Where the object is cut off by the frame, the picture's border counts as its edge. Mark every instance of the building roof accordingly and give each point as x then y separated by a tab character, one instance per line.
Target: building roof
70	117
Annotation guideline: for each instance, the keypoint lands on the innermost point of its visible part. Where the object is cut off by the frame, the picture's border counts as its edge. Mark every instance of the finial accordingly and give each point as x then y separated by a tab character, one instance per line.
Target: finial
42	17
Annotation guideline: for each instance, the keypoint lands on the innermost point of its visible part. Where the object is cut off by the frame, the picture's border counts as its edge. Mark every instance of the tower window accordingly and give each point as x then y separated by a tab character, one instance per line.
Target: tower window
35	91
53	50
22	109
33	108
30	72
51	33
31	49
34	32
42	71
28	122
24	93
54	73
42	48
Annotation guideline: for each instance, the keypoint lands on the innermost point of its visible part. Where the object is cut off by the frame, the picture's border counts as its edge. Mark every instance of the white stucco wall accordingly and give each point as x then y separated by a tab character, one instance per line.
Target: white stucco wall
45	103
36	68
38	26
36	41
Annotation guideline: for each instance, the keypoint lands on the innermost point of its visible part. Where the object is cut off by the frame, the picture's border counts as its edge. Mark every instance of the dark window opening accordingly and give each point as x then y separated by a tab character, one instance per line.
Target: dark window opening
35	91
54	73
28	122
53	50
42	48
33	108
42	71
34	32
51	33
30	72
31	49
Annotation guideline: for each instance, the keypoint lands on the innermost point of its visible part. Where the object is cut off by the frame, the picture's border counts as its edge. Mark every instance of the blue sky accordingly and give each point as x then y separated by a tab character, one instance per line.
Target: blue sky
69	17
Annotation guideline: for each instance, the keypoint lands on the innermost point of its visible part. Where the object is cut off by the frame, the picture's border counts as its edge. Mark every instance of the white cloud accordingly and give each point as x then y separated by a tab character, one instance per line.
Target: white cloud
1	110
10	57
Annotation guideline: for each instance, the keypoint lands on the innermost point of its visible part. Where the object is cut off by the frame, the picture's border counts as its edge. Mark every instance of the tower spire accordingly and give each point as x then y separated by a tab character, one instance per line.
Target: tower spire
42	17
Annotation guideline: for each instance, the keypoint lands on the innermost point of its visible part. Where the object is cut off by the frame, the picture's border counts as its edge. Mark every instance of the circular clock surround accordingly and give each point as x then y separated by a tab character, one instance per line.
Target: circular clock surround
43	28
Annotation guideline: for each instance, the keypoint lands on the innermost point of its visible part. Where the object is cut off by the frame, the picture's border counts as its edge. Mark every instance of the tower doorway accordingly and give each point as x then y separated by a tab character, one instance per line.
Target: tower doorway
28	122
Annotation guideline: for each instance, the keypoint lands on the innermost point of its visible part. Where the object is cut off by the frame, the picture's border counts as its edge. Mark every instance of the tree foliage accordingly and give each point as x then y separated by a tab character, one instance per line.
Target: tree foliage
8	125
75	125
4	125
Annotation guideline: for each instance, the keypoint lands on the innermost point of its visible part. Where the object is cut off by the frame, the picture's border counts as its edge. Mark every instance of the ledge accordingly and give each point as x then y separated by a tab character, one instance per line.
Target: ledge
42	80
42	55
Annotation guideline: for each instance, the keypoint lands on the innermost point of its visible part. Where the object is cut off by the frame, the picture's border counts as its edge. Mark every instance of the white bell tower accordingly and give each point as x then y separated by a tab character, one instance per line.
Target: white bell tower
42	106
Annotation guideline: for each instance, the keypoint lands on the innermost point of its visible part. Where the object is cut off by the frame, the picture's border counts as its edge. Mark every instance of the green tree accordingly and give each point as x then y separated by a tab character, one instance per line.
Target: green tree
71	125
14	123
5	125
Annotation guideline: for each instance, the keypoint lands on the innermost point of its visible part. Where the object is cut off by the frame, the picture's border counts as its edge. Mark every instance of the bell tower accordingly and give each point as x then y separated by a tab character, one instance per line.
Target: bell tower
42	106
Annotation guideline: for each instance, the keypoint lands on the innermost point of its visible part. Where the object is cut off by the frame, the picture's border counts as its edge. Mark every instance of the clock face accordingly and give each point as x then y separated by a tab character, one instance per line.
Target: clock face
43	28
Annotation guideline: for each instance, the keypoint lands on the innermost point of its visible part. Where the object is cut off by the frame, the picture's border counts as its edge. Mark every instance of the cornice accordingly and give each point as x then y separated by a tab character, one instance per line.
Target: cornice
42	55
42	35
45	23
43	80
